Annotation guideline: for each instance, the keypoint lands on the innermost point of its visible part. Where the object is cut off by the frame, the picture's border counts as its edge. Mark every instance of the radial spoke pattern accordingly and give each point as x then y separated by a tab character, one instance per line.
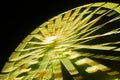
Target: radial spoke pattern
76	42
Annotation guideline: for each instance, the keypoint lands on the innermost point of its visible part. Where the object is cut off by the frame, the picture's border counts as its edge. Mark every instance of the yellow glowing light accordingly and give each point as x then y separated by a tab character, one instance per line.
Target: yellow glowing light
117	79
92	69
49	40
81	61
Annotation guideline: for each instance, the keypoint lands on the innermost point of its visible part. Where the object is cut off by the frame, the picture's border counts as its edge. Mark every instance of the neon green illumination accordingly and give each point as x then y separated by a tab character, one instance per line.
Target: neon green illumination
71	42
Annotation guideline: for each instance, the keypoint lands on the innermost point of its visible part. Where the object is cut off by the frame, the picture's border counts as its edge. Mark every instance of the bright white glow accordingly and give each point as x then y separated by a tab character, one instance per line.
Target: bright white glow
80	62
102	67
92	69
96	68
49	40
86	61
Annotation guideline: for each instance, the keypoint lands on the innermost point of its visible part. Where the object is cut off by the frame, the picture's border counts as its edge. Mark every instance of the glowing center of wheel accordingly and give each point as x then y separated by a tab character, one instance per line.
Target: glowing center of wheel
49	40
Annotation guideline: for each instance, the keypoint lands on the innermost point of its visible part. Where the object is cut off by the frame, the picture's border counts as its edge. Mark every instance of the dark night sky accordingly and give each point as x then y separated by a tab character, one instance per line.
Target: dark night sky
20	18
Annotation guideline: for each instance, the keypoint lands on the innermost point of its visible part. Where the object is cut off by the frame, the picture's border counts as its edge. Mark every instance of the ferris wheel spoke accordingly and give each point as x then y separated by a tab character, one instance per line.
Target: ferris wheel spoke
43	66
17	55
92	30
94	55
74	14
44	31
89	38
50	25
79	22
57	72
111	43
39	37
69	66
86	19
66	21
48	74
100	26
97	47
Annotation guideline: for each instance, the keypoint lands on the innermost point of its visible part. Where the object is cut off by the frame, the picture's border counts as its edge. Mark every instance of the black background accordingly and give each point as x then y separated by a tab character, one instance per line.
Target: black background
19	18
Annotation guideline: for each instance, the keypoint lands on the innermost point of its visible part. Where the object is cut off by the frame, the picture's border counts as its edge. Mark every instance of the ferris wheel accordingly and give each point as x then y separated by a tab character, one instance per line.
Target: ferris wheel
79	44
